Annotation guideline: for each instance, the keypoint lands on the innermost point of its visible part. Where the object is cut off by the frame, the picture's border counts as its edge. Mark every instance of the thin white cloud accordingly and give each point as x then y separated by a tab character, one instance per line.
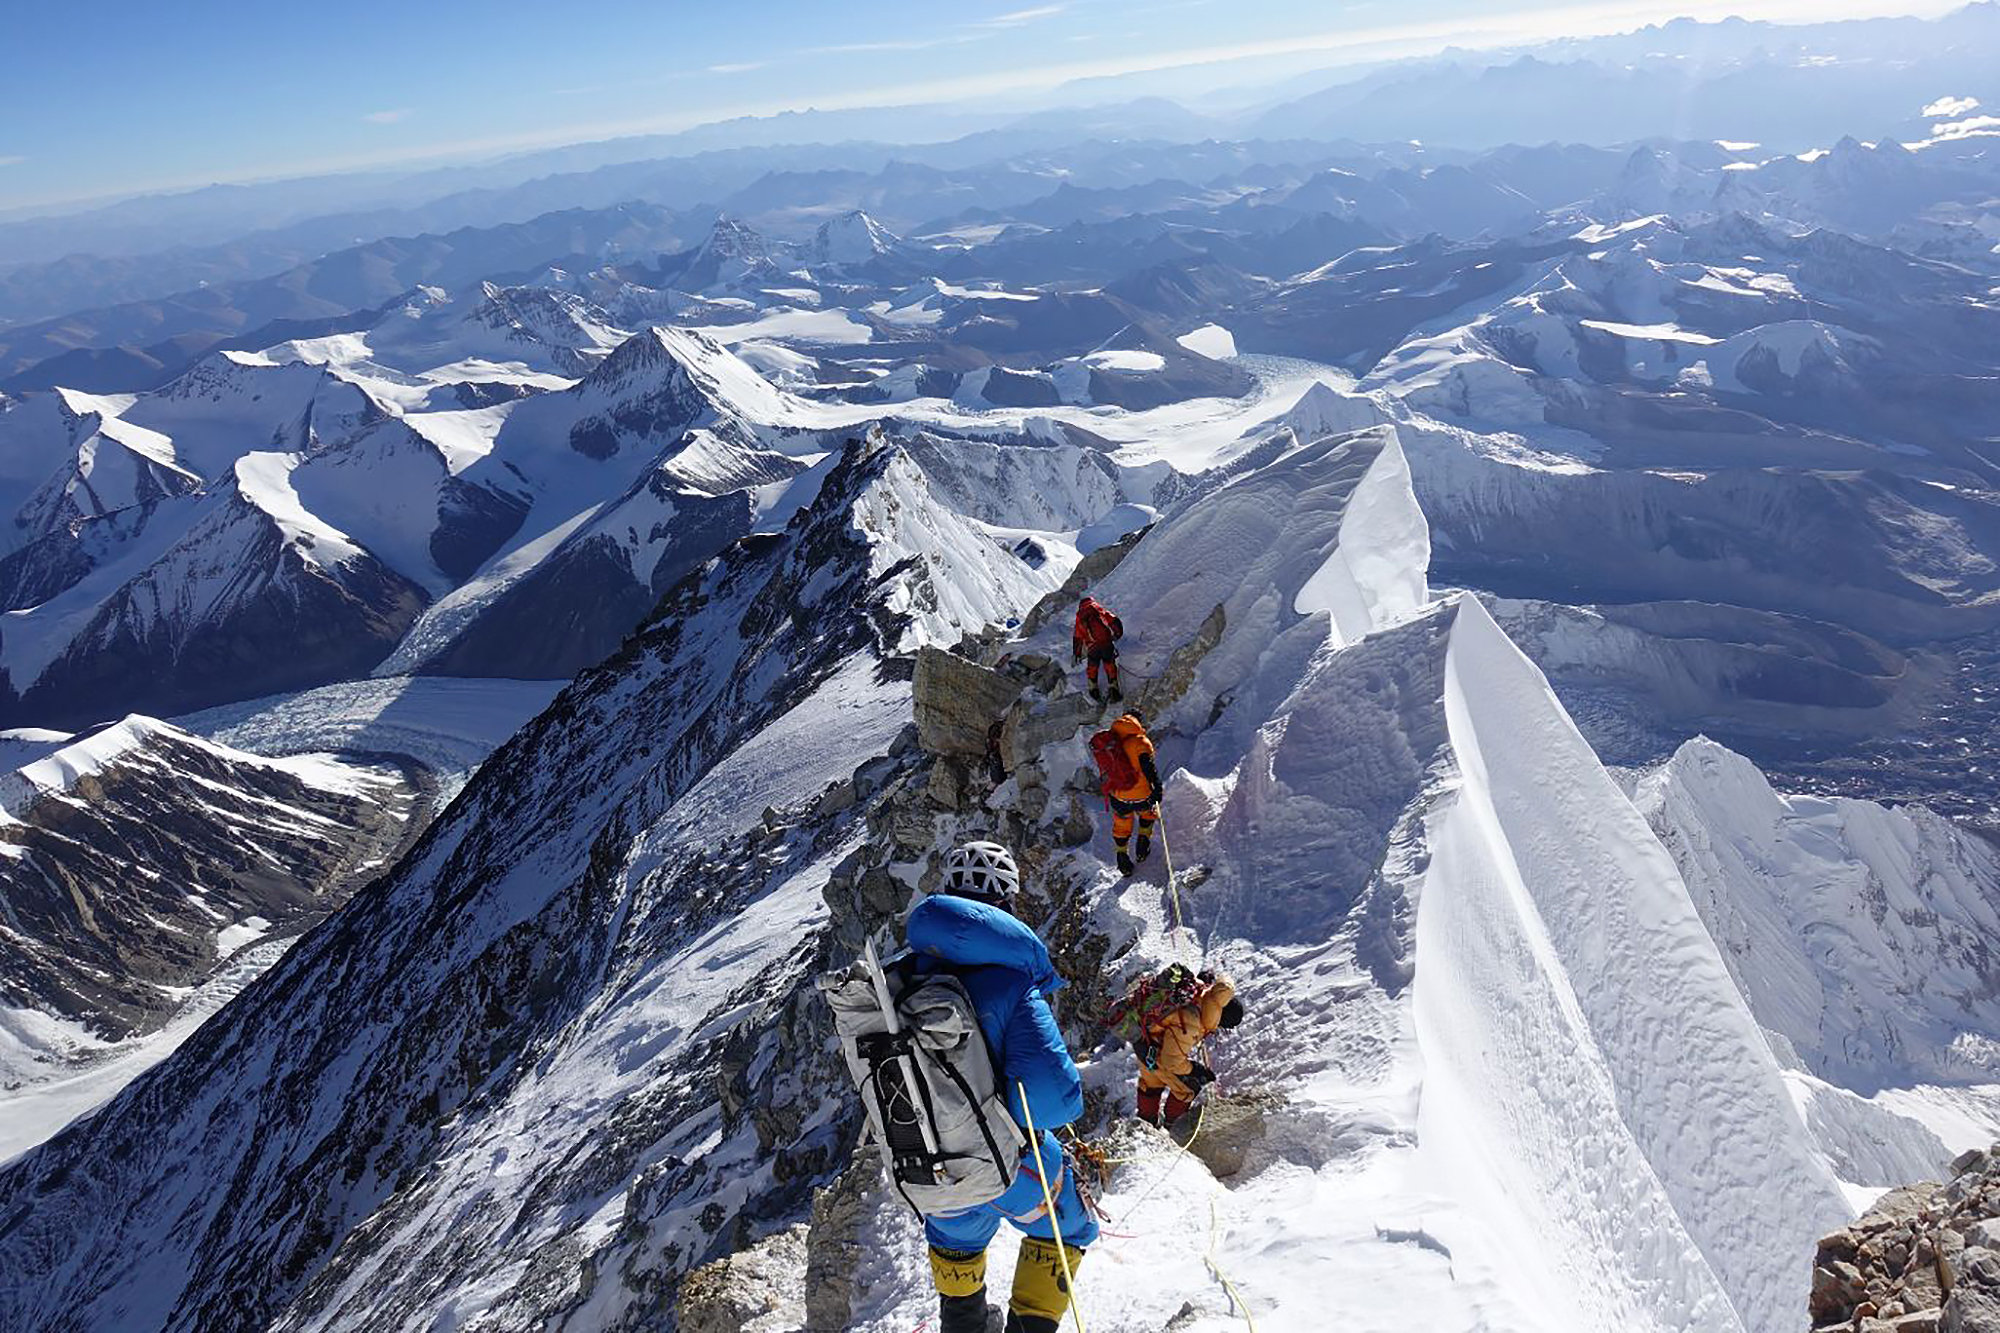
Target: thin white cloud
1017	17
1948	107
389	117
1973	127
739	67
13	160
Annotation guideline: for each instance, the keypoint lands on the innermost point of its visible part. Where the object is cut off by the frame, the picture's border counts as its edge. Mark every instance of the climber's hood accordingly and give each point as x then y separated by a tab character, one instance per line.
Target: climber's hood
974	934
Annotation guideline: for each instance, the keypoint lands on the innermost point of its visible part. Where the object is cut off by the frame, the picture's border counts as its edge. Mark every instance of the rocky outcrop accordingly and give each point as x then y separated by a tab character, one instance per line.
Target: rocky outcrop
752	1291
836	1245
957	700
1156	695
1924	1259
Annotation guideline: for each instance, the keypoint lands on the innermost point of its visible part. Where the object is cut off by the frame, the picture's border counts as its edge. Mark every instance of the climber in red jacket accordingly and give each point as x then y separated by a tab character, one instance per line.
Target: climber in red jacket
1095	639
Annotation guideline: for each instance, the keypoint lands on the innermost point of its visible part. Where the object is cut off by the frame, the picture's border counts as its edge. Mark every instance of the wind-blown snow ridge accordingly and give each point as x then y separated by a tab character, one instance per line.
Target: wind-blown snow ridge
1631	1069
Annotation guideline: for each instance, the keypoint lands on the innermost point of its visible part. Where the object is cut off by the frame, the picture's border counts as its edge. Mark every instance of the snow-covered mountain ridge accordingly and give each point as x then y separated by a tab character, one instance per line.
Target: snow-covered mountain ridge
567	1051
138	861
1429	483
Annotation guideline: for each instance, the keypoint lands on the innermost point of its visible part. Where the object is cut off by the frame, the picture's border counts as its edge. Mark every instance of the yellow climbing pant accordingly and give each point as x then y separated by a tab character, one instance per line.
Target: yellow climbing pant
1040	1290
957	1273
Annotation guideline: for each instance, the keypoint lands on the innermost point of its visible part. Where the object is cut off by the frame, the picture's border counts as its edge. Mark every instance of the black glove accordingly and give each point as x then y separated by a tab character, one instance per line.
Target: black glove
1206	974
1075	656
1198	1077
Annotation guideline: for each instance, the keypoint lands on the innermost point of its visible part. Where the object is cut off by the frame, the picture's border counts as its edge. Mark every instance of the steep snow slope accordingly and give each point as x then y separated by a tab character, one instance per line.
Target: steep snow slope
1860	935
1495	1073
1630	1068
605	500
65	455
238	590
1531	970
234	403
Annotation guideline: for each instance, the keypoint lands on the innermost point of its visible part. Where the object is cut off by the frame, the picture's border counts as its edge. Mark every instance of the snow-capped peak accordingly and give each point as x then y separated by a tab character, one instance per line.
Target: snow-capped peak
851	238
657	358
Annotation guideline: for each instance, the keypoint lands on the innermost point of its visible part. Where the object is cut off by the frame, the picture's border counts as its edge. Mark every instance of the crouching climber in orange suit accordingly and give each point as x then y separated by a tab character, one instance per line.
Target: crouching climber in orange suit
1170	1078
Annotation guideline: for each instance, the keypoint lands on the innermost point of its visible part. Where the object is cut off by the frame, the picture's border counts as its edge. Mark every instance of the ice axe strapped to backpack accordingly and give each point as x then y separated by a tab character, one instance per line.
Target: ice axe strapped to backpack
927	1083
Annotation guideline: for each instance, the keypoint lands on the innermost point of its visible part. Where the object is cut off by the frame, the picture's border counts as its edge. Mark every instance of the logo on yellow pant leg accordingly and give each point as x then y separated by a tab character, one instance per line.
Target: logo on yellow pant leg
1040	1290
958	1274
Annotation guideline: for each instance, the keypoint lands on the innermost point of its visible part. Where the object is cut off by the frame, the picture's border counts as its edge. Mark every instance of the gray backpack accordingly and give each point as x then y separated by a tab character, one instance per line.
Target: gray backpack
926	1079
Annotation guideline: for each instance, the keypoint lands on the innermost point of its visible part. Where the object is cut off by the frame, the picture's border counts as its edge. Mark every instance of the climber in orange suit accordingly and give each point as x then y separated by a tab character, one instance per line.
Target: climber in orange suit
1167	1067
1137	798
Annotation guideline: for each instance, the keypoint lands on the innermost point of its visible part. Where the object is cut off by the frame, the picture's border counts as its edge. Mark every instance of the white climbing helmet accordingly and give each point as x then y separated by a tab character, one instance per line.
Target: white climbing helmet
981	870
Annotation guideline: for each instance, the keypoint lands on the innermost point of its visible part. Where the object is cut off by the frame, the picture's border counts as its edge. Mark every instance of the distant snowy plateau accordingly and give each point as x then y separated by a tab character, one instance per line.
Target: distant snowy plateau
450	733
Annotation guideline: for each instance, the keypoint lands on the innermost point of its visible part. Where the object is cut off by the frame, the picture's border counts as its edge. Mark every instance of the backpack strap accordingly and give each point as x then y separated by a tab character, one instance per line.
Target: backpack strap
965	1091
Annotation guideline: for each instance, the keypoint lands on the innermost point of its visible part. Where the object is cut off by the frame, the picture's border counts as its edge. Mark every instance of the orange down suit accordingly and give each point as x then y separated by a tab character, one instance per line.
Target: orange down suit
1127	801
1180	1034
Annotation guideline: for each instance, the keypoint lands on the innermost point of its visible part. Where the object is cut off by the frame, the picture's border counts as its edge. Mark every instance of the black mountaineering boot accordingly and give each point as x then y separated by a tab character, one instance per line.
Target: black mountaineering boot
1095	694
1124	862
962	1314
1117	695
1030	1323
1143	850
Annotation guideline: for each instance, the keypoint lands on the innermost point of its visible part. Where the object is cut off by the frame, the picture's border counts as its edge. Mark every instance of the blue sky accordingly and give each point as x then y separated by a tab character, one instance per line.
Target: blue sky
117	97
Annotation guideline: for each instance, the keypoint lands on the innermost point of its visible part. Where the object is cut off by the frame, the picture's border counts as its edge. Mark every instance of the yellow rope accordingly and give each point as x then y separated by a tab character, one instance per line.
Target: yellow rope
1201	1118
1221	1276
1049	1201
1173	884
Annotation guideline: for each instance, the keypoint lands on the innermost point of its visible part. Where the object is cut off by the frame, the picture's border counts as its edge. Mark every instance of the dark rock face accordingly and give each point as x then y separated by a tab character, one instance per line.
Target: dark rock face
1013	388
957	700
115	888
577	607
59	559
668	404
292	623
473	522
569	614
484	393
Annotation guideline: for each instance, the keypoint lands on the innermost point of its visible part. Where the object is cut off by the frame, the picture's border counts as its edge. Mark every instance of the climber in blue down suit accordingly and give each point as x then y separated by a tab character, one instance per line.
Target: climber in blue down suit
967	929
